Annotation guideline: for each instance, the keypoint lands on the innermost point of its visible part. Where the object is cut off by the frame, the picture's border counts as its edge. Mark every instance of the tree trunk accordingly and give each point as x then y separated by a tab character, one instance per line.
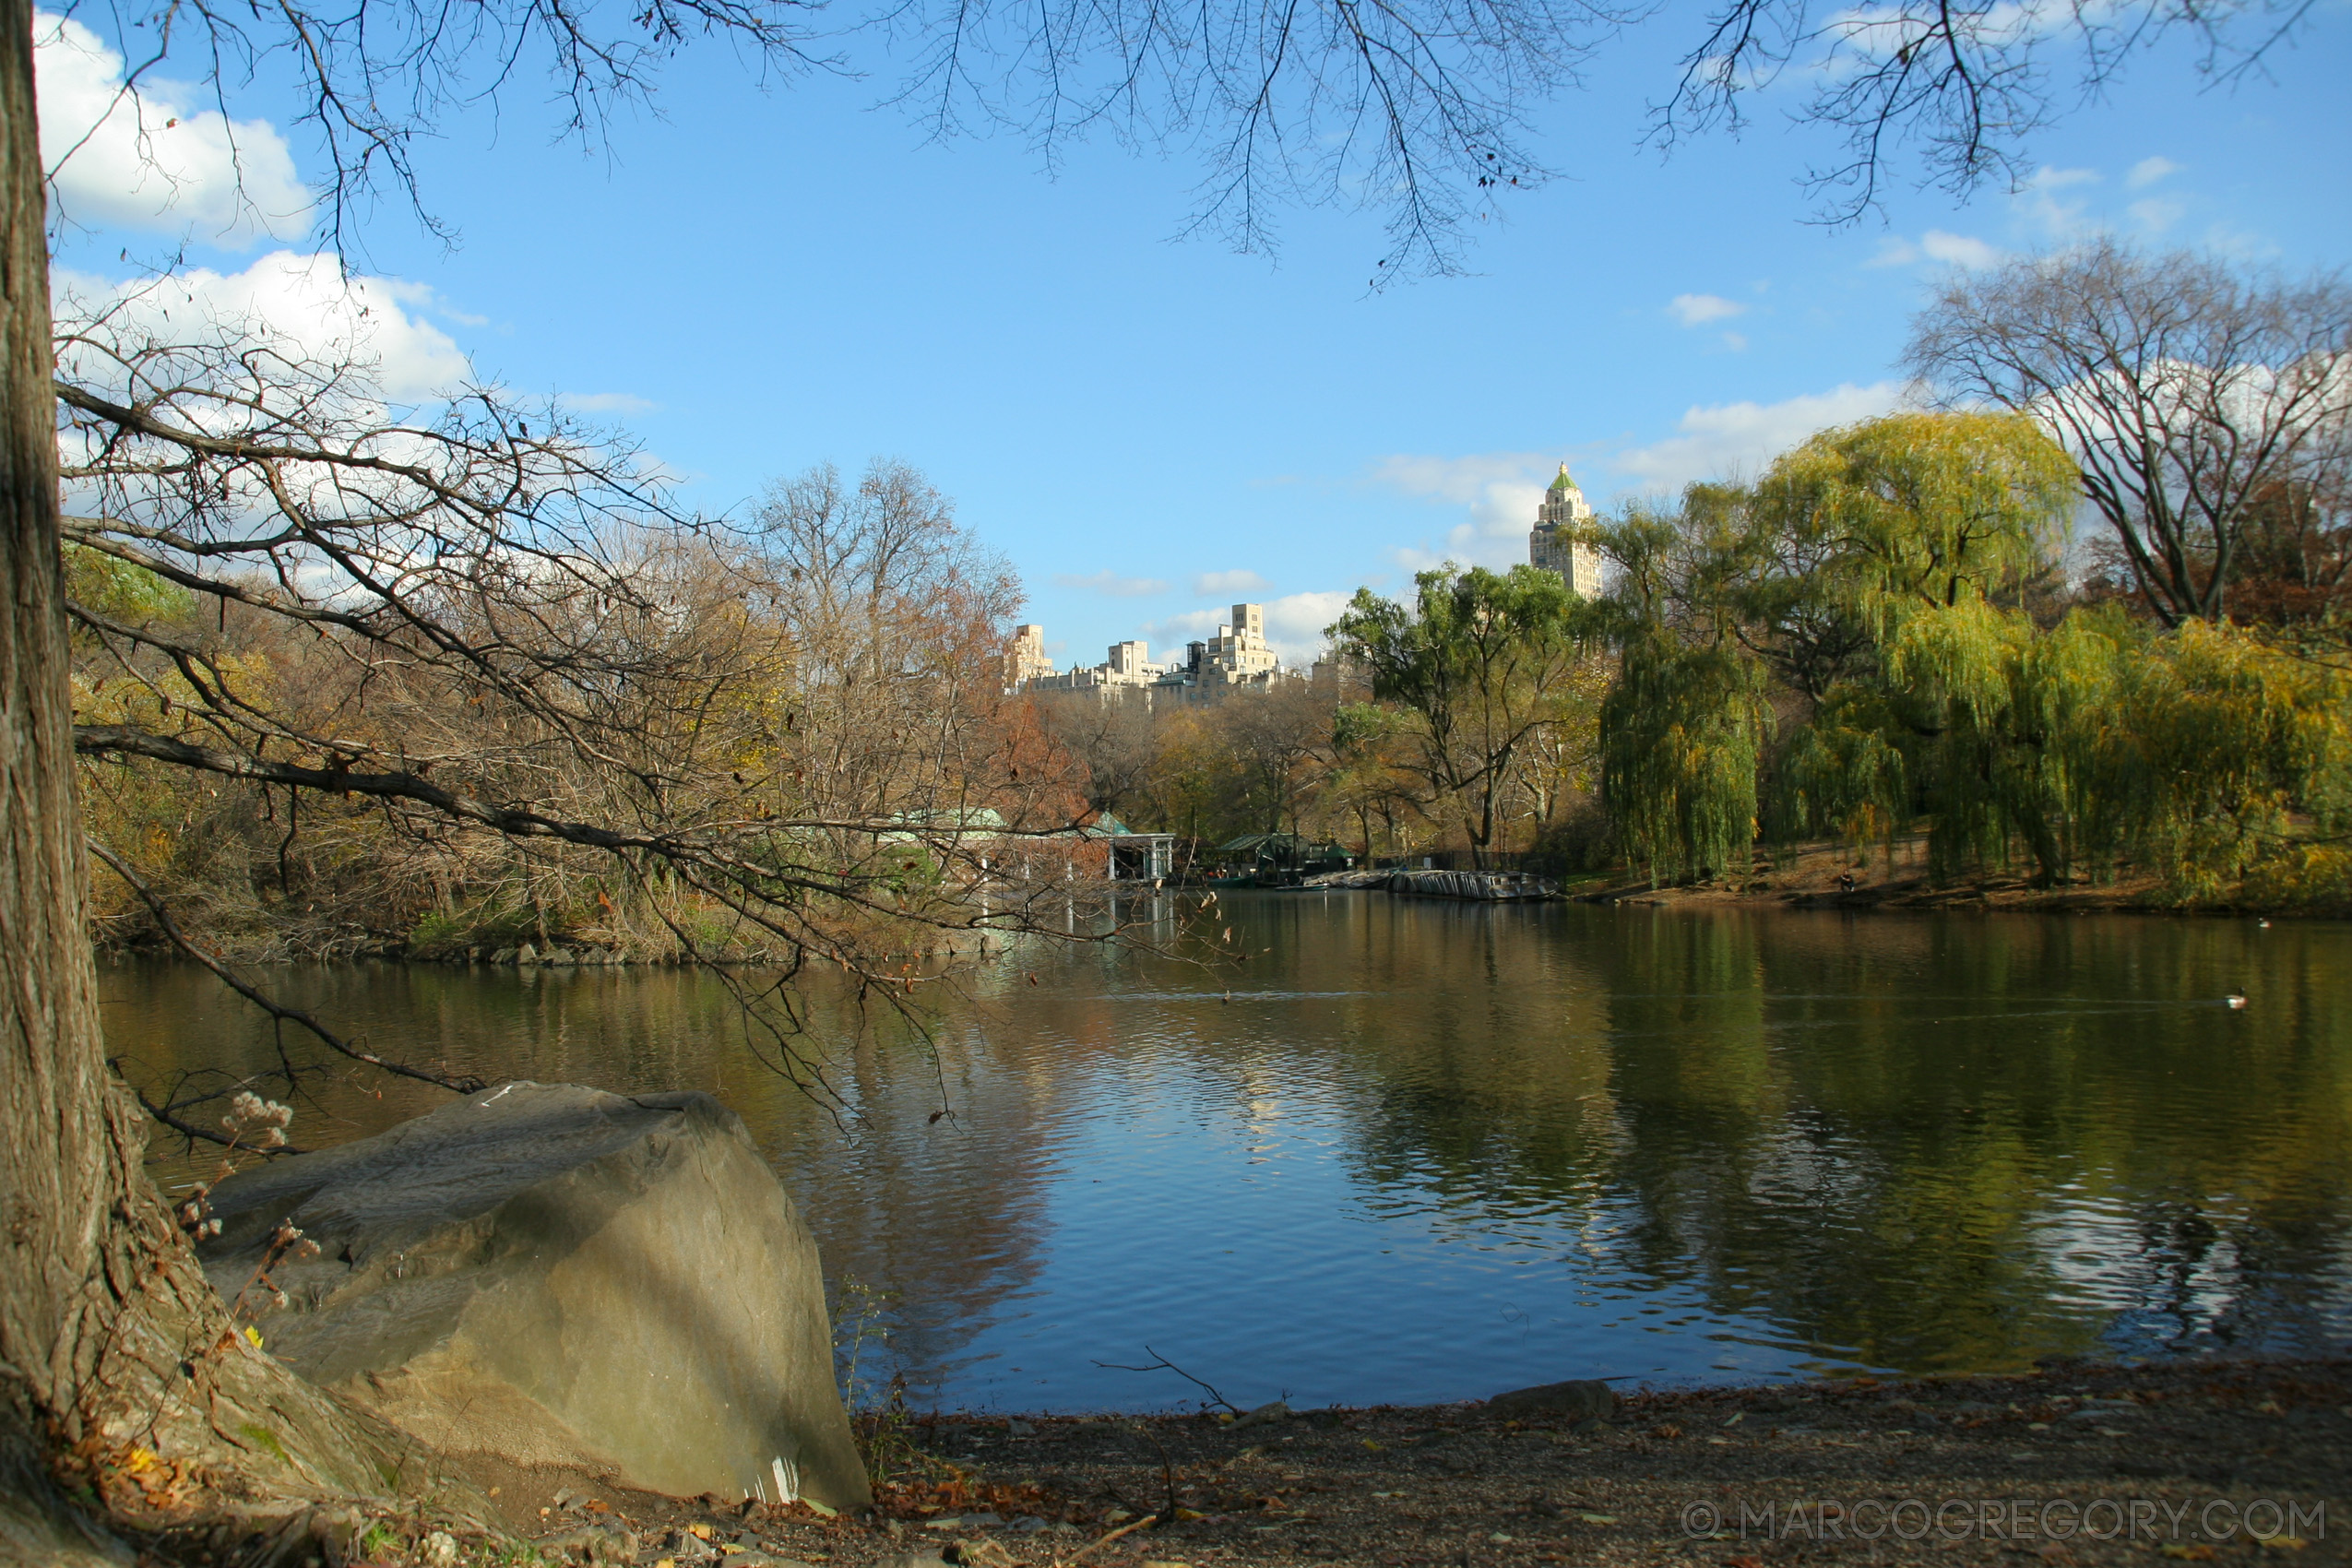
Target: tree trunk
119	1368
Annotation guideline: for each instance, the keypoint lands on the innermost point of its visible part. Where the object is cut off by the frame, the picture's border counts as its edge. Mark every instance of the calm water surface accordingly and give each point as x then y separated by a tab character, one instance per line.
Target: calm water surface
1424	1152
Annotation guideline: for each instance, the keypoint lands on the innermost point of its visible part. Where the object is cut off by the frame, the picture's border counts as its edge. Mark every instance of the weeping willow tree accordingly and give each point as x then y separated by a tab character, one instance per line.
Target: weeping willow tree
1890	593
1919	535
1682	728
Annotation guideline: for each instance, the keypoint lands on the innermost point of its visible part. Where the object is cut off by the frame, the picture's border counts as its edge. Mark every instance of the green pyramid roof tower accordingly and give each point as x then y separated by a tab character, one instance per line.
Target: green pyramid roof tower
1563	483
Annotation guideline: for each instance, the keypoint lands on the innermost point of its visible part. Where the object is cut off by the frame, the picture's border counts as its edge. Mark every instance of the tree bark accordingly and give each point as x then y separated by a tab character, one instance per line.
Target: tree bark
120	1370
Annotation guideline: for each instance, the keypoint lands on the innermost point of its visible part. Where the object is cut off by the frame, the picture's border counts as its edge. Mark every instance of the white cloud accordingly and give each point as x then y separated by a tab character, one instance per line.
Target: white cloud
1294	623
1501	489
2156	214
1459	479
2241	244
2039	204
1958	250
1111	585
2148	171
1294	626
304	301
1736	438
1243	581
137	158
1936	246
1697	310
606	402
1735	341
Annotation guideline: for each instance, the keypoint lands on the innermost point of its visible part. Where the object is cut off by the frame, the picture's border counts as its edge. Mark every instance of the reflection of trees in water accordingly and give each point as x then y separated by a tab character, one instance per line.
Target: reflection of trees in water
1900	1140
945	1219
1922	1142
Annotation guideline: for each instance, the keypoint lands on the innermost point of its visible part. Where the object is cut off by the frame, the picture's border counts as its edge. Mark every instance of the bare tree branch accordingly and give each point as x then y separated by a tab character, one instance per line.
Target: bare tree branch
462	1084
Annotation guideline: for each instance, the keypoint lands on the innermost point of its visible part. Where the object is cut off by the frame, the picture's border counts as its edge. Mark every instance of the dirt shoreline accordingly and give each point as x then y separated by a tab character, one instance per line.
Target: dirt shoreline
2182	1460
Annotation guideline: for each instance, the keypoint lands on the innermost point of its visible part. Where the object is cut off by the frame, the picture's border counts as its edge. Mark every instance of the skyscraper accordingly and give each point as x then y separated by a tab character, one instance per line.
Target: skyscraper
1551	543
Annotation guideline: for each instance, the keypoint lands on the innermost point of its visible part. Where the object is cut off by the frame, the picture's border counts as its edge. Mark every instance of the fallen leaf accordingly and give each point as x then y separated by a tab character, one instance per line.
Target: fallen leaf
2200	1553
1597	1518
253	1335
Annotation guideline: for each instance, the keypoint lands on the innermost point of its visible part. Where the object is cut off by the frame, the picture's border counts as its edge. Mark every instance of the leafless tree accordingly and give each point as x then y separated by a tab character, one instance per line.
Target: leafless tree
1965	84
2185	389
1113	734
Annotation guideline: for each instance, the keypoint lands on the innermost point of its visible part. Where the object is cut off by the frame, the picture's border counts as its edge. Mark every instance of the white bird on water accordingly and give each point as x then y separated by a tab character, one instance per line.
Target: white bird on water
2236	999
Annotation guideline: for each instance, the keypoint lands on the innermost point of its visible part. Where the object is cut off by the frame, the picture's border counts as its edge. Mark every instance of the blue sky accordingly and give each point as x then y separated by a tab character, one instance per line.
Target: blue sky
755	279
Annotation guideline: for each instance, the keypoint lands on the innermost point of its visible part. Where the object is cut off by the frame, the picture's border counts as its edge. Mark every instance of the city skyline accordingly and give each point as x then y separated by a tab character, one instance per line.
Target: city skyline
1241	643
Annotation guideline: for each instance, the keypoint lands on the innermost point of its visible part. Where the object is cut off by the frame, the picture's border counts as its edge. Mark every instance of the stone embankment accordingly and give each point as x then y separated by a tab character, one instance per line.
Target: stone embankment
1479	886
551	1276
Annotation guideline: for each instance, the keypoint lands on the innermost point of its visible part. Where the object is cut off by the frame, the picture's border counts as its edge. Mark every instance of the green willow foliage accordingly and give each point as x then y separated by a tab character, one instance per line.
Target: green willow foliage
1684	726
1681	733
1888	590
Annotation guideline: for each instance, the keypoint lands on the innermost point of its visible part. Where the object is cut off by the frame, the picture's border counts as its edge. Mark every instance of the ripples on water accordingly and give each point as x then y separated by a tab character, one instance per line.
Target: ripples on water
1416	1151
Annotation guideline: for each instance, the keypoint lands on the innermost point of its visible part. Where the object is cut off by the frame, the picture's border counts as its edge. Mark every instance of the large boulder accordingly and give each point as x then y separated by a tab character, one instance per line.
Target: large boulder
555	1274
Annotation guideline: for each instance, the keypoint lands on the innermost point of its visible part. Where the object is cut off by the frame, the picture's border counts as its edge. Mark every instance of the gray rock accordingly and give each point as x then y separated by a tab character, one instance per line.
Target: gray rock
590	1543
1264	1415
554	1274
1585	1398
527	954
504	956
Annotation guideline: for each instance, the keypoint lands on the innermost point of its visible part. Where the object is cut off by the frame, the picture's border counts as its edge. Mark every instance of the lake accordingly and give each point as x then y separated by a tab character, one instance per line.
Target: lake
1413	1151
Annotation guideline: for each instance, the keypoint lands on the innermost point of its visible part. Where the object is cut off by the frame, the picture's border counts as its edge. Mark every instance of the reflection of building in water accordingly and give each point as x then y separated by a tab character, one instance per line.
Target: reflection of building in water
1237	656
1552	544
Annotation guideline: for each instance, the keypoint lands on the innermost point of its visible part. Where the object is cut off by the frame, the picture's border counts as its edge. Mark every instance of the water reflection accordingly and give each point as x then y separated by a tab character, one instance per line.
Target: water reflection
1420	1151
